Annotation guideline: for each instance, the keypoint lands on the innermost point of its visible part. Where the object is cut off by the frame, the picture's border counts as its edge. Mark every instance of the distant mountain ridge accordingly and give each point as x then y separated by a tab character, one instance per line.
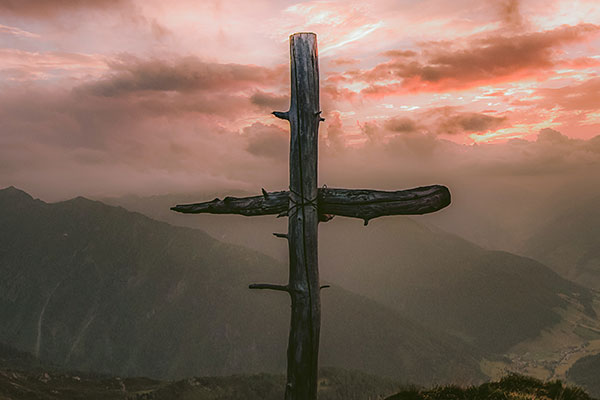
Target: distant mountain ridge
97	287
493	299
570	243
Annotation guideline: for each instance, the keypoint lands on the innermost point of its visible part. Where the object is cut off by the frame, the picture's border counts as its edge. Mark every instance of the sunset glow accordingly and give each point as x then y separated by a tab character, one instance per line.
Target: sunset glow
152	90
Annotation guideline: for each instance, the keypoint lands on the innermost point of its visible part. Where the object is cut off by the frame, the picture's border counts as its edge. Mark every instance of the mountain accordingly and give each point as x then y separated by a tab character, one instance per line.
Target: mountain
493	299
252	232
11	358
99	288
570	243
585	372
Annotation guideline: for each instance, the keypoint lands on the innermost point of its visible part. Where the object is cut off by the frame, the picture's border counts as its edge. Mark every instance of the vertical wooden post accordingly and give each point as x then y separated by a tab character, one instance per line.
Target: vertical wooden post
303	285
304	117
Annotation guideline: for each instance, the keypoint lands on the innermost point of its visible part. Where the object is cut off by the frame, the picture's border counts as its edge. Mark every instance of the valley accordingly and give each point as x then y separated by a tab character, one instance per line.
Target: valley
93	287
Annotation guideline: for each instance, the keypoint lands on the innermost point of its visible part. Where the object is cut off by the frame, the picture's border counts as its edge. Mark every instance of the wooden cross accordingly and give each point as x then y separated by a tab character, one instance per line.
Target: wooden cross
305	205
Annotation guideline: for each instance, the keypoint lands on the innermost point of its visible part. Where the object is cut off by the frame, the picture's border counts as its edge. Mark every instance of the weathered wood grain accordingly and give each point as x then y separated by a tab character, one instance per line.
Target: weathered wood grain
369	204
305	205
303	220
355	203
272	203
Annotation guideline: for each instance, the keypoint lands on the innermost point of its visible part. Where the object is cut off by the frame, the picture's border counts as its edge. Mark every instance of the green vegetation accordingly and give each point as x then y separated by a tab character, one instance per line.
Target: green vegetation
511	387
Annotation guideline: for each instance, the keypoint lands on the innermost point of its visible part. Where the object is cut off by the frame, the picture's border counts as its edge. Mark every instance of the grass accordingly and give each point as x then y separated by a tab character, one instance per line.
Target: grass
510	387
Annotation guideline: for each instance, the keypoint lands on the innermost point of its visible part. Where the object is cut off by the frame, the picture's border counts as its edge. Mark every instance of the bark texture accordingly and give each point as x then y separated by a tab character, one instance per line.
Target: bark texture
305	205
369	204
271	203
303	220
355	203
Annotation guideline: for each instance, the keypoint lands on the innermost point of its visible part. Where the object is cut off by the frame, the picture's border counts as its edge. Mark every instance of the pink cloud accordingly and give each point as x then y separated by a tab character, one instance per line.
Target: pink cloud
481	61
141	94
23	65
50	8
578	96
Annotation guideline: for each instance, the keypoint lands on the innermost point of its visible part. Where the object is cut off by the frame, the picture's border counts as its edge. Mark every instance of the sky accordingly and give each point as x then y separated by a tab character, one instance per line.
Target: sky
115	97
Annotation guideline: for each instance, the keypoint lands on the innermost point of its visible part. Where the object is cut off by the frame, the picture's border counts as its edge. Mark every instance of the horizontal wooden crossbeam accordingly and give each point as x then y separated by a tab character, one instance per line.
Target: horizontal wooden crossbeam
356	203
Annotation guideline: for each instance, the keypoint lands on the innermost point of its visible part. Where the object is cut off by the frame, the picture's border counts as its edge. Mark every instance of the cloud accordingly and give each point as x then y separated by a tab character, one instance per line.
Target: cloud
581	96
399	53
344	61
421	158
511	15
67	142
270	101
22	65
59	142
185	74
552	136
51	8
148	88
14	31
177	120
150	119
481	60
339	24
552	154
445	120
401	124
448	120
335	132
268	141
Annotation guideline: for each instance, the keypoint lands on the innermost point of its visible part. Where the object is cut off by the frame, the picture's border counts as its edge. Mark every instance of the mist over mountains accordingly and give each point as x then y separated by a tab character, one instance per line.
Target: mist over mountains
490	298
100	288
570	243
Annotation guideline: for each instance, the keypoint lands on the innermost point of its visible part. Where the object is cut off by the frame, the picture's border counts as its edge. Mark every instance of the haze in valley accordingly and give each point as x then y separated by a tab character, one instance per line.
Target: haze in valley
112	111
